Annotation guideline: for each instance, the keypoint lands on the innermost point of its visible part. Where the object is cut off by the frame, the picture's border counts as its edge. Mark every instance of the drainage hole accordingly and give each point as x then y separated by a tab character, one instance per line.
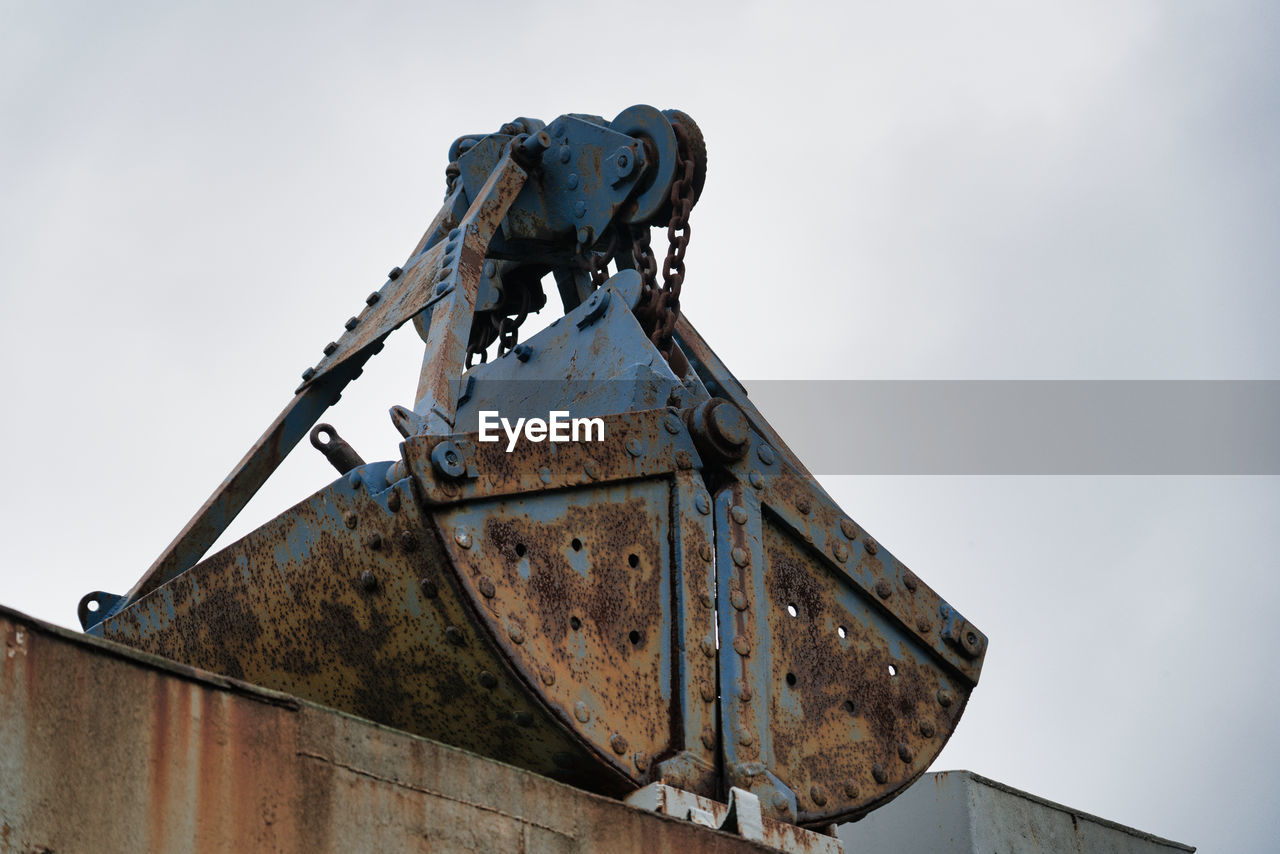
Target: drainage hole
633	560
849	707
634	637
575	623
893	671
841	632
520	549
577	544
791	679
792	610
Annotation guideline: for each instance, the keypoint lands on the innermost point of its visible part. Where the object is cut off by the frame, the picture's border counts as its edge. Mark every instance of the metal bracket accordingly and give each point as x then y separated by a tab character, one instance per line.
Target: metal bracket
742	816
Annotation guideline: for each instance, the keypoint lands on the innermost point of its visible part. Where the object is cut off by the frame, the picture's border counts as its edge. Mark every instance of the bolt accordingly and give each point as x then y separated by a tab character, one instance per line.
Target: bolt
839	550
923	624
590	468
571	181
818	795
641	761
848	528
739	514
373	541
462	538
740	557
580	209
683	460
330	348
945	698
429	588
744	692
308	374
738	599
544	474
704	552
581	712
394	274
490	269
883	590
708	649
926	729
905	753
850	789
350	519
372	298
766	455
870	546
708	738
523	352
488	680
779	802
746	738
353	479
703	503
565	154
705	599
756	479
351	323
393	501
742	646
368	581
547	675
633	446
910	581
485	585
804	506
618	743
729	424
672	424
708	691
516	634
881	776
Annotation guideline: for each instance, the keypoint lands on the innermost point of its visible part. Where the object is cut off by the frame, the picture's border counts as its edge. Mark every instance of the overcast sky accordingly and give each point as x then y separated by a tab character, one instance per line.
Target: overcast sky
194	196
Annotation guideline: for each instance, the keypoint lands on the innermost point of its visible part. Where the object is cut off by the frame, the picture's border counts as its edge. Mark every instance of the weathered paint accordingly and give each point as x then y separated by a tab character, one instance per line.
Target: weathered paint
557	604
103	748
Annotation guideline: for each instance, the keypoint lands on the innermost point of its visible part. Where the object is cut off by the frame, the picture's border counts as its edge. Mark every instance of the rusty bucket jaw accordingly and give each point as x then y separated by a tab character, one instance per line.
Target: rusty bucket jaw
676	599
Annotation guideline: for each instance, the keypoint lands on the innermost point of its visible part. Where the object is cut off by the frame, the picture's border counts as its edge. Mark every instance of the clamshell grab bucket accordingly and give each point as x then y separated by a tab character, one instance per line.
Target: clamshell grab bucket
671	596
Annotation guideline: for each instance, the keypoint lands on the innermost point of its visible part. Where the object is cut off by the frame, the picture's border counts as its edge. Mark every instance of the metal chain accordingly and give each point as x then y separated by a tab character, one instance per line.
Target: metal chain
660	307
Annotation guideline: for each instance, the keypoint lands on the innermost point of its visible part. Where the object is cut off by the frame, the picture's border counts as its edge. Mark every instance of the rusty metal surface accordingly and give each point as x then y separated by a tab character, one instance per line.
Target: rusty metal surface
348	600
103	748
574	587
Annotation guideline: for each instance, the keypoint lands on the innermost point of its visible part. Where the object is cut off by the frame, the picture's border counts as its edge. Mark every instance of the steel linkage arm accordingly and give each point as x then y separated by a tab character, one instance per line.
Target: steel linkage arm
445	273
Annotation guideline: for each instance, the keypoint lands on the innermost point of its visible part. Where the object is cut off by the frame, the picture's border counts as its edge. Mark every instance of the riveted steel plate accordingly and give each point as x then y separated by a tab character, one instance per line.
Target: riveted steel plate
858	708
348	602
575	587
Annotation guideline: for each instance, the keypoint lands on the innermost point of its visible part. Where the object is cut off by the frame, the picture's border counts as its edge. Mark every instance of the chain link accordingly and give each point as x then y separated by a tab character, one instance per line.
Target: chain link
662	306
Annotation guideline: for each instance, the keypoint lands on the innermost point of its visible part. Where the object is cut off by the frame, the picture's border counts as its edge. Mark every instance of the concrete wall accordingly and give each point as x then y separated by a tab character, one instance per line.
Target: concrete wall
959	811
103	749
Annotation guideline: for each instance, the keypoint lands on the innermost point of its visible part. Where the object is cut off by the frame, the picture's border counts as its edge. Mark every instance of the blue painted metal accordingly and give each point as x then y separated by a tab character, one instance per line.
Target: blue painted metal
678	599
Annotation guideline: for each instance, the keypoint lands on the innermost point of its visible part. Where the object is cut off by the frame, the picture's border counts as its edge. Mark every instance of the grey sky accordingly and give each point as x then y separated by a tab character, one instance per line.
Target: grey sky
195	196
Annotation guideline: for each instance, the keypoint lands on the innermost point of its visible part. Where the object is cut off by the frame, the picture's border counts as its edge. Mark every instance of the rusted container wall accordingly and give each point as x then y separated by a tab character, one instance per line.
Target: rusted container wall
103	749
